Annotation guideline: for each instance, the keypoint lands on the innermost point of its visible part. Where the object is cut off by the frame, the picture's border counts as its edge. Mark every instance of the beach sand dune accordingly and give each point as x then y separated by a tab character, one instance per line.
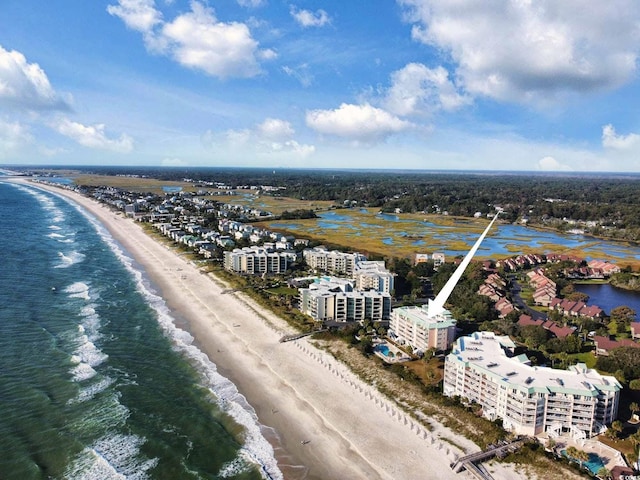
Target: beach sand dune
323	422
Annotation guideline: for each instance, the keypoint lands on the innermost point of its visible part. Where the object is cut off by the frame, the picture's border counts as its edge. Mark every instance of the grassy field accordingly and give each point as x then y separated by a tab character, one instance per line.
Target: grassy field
273	204
132	184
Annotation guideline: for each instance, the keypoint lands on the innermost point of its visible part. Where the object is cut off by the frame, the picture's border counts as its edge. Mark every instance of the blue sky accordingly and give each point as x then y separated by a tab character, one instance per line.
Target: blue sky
415	84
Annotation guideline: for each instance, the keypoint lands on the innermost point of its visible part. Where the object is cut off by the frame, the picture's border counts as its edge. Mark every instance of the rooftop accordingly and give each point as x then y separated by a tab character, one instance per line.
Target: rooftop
486	351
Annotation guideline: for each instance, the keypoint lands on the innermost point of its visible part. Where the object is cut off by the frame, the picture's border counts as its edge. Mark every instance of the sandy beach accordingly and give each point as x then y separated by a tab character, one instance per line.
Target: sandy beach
328	424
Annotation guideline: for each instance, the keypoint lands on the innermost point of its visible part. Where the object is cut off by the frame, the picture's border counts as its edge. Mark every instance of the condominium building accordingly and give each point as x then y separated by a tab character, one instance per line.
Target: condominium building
332	262
335	300
413	326
529	400
257	260
373	275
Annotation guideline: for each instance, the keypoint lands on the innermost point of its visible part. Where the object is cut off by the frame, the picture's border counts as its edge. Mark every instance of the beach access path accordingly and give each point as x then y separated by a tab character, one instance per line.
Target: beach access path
325	423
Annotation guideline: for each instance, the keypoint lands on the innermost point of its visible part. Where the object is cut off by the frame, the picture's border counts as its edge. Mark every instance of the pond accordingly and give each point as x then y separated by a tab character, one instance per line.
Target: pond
607	297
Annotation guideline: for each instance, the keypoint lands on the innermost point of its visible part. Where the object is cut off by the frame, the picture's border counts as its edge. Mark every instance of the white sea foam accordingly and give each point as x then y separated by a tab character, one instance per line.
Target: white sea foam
112	457
78	290
83	371
61	238
69	259
90	391
89	353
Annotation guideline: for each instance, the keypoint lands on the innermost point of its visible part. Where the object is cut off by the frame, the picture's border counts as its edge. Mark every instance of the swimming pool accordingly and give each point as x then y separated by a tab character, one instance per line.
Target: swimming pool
594	464
383	349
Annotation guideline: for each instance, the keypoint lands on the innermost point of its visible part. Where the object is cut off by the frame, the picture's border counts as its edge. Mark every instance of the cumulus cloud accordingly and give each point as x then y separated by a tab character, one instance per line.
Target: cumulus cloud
139	15
196	39
363	123
26	85
530	51
275	129
268	137
552	165
93	136
419	89
610	139
307	18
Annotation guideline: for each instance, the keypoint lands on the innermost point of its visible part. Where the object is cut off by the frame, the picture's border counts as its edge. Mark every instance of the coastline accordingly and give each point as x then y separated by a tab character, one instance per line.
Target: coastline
297	391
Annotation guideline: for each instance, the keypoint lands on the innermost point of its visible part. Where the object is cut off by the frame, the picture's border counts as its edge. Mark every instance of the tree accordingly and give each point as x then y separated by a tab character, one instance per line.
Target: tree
581	456
634	384
533	335
616	427
604	472
633	406
623	316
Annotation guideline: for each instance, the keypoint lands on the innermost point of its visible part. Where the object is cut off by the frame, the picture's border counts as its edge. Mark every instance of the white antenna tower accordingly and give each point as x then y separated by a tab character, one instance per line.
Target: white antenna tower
436	306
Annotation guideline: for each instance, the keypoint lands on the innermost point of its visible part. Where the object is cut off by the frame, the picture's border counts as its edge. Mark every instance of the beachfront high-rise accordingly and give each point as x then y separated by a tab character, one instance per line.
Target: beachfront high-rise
258	260
333	262
529	400
414	327
335	300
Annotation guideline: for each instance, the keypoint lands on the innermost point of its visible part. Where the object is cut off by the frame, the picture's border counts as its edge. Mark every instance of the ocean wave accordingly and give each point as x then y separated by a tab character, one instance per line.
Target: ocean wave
69	259
89	353
61	238
47	203
113	457
82	371
90	391
78	290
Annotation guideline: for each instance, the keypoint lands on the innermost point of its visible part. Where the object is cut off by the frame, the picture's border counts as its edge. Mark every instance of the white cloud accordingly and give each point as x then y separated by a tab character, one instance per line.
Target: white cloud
363	123
300	73
274	128
619	142
307	18
552	165
196	39
26	85
93	136
419	89
519	50
272	136
139	15
252	3
12	136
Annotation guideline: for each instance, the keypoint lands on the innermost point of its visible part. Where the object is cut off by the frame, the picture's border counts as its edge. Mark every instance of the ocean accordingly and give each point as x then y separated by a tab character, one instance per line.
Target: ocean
96	380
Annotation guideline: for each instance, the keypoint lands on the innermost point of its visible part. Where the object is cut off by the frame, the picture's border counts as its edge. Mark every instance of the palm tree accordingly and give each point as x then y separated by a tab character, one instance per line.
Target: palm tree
617	428
581	456
604	472
572	452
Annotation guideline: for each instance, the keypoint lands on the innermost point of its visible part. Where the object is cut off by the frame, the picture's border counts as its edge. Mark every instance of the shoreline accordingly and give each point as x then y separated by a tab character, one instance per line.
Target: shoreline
326	423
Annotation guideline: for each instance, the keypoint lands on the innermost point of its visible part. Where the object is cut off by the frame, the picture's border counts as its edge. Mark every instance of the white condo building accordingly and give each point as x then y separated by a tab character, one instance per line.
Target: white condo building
529	400
257	260
373	275
333	262
414	327
334	299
